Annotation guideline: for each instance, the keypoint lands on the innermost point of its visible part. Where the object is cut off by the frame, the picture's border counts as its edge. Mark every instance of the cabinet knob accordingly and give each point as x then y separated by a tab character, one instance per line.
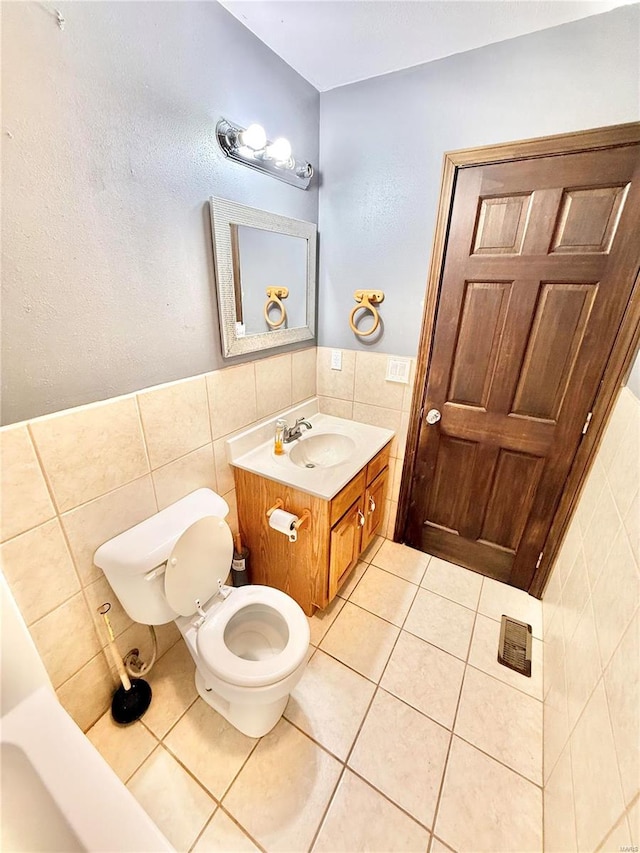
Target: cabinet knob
372	504
360	518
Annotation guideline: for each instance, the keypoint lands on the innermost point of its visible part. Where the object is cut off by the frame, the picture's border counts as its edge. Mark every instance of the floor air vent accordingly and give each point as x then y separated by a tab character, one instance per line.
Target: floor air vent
514	650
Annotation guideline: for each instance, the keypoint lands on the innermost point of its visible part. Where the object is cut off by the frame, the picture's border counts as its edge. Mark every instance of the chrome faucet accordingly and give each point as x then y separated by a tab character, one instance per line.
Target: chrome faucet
294	432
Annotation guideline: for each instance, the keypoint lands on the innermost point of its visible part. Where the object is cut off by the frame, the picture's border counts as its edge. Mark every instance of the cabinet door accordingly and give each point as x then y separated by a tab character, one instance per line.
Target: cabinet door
374	507
345	546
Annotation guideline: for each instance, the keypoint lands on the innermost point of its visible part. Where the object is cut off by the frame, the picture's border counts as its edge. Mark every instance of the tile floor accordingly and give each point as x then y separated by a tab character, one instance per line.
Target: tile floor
399	737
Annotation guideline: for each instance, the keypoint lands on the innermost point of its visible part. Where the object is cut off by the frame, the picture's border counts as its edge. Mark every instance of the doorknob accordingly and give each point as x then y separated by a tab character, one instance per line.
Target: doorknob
433	416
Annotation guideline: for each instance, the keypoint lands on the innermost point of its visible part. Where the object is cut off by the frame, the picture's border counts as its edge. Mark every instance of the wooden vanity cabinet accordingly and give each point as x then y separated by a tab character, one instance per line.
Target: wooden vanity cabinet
313	569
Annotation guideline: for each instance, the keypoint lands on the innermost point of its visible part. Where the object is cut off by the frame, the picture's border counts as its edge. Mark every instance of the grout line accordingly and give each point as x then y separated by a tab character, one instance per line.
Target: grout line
455	716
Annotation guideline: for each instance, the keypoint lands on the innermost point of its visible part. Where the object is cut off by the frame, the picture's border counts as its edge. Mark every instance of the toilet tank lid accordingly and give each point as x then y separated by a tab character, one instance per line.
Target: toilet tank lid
148	544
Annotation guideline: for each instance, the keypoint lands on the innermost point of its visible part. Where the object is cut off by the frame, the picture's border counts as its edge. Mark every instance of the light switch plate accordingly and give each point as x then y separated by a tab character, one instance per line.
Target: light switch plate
398	370
336	359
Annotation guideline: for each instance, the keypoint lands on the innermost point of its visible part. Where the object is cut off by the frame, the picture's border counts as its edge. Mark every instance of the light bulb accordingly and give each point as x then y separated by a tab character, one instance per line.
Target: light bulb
253	137
280	150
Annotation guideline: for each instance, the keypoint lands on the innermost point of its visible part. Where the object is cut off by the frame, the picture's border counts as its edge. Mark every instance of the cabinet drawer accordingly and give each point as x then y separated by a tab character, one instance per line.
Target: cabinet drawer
343	500
378	463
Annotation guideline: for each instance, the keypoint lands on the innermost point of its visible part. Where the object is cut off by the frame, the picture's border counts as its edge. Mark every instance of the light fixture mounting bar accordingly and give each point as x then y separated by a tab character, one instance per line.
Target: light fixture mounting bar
296	172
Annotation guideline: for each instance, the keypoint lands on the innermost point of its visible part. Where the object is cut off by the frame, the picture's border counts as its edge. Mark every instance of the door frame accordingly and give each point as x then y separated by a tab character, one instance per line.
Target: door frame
620	359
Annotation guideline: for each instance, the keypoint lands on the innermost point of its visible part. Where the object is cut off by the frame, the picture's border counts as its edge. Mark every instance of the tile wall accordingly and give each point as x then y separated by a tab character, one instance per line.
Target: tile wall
72	480
360	391
592	656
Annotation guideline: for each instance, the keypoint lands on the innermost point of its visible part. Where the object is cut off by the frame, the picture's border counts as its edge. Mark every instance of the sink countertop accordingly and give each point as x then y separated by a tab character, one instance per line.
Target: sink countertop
321	482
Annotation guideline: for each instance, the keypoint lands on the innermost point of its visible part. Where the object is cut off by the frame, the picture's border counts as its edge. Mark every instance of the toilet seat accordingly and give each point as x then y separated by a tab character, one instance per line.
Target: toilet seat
195	562
228	666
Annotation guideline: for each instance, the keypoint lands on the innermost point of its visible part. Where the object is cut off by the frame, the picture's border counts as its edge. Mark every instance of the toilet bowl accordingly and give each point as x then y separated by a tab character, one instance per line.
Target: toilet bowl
249	644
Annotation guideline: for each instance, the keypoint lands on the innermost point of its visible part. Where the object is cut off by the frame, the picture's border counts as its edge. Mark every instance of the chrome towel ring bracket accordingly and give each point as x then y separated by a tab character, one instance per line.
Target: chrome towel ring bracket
367	300
274	295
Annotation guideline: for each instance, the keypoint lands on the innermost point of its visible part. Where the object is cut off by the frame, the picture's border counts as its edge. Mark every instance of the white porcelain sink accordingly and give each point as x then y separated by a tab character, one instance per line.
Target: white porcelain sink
322	451
335	450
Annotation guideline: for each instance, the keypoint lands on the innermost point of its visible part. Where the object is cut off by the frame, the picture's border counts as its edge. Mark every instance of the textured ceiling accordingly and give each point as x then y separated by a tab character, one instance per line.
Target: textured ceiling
335	42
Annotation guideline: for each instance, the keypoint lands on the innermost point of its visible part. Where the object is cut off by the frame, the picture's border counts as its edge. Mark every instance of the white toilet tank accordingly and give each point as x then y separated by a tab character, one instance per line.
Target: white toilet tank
133	562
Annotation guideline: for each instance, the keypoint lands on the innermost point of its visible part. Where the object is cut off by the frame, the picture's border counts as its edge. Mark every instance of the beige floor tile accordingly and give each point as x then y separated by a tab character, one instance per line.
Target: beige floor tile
402	753
283	790
425	677
405	562
384	594
503	722
559	815
352	581
622	685
329	703
453	582
322	620
360	820
498	598
484	655
209	747
372	549
596	781
172	798
361	640
172	681
124	748
487	807
441	622
222	835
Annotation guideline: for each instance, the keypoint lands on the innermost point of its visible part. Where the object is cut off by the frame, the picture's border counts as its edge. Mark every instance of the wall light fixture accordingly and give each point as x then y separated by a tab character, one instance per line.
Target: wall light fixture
251	147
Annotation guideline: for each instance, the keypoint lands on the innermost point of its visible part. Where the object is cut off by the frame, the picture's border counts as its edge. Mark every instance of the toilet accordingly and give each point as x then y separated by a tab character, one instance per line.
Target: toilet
249	643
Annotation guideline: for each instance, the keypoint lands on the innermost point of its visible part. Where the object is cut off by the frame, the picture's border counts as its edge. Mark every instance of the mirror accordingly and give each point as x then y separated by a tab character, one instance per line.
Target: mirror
266	277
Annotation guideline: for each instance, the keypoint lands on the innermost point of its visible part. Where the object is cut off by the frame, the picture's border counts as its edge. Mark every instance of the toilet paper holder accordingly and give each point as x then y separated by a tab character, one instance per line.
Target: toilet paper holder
305	515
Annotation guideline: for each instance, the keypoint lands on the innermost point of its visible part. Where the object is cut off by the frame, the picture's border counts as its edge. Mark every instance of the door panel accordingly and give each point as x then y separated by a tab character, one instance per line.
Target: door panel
538	269
559	325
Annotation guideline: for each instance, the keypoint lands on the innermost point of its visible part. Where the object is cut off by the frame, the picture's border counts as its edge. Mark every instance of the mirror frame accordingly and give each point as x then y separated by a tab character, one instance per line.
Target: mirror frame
224	215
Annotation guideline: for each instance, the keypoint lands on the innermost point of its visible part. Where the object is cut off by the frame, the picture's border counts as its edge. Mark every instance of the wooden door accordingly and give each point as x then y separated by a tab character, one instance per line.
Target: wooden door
374	507
344	547
539	266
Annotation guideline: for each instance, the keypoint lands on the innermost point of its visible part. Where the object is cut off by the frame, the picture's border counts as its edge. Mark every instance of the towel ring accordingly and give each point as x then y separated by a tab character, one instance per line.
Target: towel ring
274	295
367	300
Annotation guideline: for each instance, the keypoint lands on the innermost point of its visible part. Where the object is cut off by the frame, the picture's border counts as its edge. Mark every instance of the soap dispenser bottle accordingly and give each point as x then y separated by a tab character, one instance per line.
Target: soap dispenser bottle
278	448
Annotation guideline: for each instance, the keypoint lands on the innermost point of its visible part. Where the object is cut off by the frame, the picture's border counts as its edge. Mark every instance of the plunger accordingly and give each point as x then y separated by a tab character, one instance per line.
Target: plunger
133	697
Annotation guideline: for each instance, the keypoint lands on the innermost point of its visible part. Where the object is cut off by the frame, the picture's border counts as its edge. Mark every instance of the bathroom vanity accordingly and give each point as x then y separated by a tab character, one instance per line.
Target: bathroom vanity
344	491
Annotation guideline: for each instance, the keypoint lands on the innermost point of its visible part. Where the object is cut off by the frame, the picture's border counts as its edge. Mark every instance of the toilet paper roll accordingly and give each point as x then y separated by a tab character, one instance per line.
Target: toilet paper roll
283	522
